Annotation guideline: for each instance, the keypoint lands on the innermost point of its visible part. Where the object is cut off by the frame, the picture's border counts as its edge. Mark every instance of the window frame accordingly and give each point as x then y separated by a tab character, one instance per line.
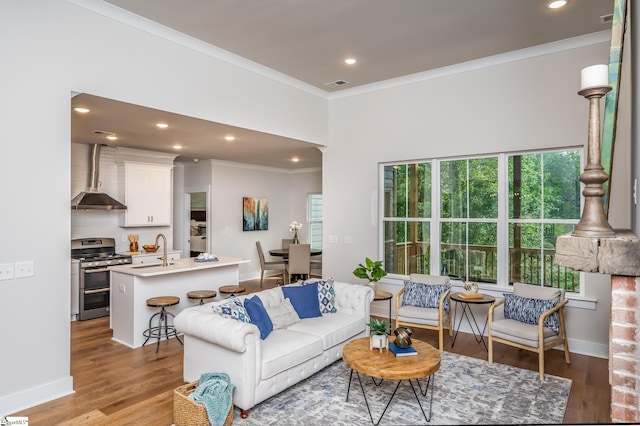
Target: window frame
311	220
503	221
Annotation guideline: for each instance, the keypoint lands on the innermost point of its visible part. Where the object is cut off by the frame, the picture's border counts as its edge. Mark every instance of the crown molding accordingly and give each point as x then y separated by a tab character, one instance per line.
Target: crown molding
489	61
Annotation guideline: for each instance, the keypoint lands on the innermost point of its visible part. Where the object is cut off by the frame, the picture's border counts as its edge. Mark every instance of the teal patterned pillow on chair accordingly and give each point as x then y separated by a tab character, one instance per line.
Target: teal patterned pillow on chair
424	295
528	310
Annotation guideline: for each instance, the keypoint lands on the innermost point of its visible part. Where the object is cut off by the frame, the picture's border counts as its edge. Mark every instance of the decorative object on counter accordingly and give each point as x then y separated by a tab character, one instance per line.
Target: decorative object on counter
371	271
378	338
403	337
295	227
255	214
133	243
206	257
150	248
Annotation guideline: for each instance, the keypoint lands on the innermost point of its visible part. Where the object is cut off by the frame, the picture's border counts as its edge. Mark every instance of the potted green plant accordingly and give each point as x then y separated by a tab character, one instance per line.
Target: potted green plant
371	270
378	330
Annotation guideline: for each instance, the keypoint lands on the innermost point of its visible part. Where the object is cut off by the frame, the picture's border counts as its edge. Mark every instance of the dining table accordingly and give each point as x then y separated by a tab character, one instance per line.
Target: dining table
284	252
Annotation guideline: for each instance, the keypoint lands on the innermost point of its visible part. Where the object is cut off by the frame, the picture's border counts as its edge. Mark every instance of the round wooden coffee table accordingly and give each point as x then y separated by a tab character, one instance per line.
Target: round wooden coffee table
385	365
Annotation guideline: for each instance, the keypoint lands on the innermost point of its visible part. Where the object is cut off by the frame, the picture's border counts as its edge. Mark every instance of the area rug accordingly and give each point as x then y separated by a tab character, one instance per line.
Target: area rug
467	391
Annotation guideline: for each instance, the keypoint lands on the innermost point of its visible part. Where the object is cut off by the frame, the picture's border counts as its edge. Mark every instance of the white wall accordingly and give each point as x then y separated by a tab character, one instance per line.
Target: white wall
284	190
522	104
48	49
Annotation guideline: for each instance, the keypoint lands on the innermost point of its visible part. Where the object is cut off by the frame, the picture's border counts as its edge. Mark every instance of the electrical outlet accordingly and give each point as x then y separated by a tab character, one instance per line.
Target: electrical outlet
25	269
347	239
6	271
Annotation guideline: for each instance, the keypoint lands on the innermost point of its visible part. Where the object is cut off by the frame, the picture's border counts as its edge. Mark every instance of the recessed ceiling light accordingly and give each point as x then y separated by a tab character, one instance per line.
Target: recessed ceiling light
162	125
295	159
112	137
557	4
229	138
350	61
177	146
82	110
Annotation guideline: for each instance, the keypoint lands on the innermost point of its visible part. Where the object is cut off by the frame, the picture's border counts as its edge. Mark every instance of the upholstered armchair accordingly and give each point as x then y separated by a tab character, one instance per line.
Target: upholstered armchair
424	302
532	318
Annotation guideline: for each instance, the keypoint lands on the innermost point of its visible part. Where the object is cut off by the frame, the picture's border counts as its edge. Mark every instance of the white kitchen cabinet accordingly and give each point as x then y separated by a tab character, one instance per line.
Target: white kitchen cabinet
147	194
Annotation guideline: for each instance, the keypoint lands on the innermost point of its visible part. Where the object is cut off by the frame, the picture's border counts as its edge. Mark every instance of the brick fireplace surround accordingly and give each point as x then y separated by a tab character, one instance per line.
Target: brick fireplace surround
619	257
624	350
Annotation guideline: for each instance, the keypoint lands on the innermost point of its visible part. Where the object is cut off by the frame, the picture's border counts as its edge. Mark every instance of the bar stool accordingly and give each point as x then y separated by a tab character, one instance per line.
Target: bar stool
163	323
231	290
202	294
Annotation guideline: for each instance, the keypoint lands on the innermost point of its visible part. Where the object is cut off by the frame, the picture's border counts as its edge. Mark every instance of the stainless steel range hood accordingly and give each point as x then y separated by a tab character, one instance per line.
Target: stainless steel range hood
91	199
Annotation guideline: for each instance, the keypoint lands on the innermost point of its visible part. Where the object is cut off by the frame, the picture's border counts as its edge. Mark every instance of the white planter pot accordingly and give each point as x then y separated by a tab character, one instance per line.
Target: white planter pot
378	341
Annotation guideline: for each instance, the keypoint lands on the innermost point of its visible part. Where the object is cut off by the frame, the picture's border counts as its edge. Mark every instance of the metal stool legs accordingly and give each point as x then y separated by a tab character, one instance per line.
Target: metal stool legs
157	331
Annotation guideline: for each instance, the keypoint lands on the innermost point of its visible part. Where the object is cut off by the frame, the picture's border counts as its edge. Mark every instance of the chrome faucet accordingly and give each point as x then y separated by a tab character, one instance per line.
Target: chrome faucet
164	249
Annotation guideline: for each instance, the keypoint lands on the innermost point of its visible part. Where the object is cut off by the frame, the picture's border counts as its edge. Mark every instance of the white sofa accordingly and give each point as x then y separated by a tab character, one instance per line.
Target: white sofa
259	368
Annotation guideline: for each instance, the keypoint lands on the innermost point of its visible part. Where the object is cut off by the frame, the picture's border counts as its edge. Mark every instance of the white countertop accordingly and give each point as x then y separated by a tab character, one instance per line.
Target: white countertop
144	253
175	266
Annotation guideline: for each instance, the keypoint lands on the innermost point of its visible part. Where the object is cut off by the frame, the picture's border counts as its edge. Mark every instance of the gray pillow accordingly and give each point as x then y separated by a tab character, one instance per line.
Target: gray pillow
282	315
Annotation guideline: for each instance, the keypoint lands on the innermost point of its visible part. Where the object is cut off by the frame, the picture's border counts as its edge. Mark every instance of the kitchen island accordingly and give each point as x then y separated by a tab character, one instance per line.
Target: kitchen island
132	285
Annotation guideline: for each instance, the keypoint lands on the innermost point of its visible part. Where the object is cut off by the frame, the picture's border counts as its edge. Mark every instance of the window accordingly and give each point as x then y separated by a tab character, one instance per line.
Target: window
484	219
314	220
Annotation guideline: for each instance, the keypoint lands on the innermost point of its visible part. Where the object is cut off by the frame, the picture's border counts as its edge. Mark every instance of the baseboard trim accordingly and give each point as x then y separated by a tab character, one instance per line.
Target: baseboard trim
36	395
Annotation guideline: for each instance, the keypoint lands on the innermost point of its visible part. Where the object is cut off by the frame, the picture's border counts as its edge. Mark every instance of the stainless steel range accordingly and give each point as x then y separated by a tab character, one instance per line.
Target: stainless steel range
95	255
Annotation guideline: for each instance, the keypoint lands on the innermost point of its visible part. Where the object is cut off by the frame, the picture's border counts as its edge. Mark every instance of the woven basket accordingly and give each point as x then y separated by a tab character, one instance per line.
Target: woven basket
187	412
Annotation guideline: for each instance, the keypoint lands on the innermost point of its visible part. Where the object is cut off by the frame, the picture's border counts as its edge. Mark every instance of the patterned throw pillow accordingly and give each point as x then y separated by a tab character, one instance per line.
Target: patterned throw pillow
326	295
232	309
528	310
424	295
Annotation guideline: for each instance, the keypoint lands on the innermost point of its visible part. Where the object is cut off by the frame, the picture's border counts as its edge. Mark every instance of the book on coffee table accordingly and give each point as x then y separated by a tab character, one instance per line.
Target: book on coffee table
402	351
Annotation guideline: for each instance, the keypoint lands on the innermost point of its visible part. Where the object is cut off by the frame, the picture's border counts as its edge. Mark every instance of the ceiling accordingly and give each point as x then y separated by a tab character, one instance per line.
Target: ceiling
308	41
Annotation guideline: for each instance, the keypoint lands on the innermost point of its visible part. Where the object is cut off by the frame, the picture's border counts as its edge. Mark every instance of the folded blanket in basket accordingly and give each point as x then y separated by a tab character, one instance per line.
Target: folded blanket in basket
215	392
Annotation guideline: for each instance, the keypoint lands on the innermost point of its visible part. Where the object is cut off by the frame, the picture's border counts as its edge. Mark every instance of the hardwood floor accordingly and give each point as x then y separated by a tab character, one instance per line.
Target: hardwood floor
116	385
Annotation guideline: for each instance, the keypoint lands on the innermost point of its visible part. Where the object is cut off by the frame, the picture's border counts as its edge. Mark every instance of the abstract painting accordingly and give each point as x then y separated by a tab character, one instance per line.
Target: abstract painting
255	214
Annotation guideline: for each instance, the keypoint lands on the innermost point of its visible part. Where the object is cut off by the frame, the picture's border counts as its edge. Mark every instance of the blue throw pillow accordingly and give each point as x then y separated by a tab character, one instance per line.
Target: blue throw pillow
304	299
528	310
424	295
258	315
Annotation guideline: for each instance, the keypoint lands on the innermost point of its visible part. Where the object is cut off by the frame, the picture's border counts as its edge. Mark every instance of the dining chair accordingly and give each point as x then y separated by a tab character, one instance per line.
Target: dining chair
315	267
286	242
299	260
278	265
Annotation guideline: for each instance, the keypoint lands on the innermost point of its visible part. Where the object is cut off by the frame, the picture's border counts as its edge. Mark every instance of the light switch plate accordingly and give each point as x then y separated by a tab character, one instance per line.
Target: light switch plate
24	269
6	271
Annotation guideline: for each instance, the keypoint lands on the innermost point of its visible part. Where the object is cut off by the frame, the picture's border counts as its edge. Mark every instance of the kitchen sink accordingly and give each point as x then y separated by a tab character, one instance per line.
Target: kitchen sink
149	265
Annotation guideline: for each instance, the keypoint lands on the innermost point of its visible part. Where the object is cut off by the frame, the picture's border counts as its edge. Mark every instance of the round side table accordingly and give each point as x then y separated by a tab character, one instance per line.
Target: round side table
384	295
